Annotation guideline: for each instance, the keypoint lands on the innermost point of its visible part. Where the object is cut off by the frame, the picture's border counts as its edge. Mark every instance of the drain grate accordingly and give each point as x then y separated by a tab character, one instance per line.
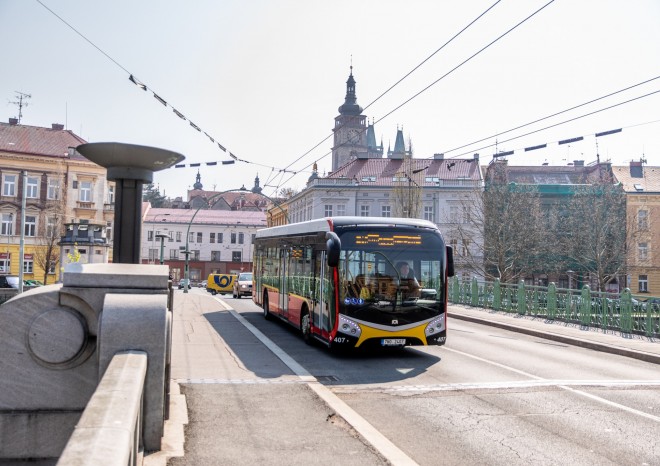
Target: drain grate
327	378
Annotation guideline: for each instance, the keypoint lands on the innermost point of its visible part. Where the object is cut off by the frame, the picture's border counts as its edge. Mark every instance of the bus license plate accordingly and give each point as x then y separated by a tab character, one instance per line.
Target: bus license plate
393	342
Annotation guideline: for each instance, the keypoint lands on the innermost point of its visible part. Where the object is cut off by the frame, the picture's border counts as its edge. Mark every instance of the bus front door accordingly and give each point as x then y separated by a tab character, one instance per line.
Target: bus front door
283	298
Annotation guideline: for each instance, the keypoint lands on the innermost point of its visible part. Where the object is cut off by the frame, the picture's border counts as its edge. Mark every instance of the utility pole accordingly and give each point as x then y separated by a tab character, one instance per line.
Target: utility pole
21	96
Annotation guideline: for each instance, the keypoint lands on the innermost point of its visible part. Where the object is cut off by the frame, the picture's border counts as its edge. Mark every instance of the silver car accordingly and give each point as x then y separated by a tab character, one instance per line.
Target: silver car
243	286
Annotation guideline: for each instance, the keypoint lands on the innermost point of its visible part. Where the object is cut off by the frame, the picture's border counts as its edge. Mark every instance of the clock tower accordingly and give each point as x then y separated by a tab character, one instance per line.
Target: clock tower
350	131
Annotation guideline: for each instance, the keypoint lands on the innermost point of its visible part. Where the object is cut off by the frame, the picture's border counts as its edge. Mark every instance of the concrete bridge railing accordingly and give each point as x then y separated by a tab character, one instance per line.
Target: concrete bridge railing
60	347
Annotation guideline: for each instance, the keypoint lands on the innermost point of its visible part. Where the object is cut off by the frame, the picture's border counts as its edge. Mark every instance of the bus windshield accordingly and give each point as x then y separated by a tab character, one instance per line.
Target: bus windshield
391	278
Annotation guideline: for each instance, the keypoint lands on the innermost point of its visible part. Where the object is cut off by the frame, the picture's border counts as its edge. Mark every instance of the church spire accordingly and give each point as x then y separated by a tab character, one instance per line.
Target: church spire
350	106
198	181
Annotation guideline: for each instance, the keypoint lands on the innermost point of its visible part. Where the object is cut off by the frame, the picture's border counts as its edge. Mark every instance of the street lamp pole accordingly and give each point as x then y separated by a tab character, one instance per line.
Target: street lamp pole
162	246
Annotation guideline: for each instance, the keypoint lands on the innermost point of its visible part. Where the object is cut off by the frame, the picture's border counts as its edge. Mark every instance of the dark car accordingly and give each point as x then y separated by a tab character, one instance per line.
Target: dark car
8	281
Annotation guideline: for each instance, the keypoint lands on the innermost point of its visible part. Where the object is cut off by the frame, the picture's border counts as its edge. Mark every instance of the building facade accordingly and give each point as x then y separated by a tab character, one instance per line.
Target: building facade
219	241
642	187
60	186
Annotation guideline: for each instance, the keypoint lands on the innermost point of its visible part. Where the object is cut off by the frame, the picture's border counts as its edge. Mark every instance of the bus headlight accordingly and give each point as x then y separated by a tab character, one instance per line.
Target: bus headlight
435	326
349	327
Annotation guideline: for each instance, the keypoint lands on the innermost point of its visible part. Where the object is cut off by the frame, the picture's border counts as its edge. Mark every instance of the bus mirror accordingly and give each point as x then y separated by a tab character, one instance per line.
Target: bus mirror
450	261
333	247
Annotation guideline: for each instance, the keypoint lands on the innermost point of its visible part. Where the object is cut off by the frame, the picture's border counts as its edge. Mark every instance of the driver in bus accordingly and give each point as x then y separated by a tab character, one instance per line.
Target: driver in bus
407	279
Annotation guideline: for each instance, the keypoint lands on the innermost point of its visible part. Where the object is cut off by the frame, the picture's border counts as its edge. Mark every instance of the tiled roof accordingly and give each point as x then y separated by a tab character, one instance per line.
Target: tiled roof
227	217
649	182
385	170
550	174
231	198
35	140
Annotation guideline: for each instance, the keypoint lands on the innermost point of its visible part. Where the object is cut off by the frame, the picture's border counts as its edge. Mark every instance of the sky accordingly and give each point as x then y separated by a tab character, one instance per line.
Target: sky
264	79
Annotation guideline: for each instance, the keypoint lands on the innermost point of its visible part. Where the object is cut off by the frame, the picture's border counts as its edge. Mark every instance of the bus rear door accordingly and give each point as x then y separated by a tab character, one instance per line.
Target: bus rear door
283	299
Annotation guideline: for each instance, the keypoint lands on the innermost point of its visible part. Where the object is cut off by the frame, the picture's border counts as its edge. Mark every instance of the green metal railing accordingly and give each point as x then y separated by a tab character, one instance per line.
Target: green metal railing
607	311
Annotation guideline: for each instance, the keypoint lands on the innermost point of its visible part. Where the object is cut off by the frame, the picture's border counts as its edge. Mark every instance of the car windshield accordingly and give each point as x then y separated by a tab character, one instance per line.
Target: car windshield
245	277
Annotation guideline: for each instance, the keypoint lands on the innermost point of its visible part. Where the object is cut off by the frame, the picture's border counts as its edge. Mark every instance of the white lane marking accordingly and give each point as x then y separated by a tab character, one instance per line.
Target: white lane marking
516	384
564	387
382	444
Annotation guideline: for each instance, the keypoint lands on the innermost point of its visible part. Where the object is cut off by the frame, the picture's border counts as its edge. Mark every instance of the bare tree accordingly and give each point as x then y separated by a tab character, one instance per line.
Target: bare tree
408	191
499	232
47	250
595	216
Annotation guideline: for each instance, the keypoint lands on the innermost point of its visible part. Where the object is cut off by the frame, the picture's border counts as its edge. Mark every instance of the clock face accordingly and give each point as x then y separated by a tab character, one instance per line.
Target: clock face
353	136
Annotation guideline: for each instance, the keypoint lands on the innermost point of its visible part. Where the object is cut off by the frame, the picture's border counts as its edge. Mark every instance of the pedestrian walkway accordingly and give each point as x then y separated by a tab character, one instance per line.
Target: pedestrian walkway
241	403
610	341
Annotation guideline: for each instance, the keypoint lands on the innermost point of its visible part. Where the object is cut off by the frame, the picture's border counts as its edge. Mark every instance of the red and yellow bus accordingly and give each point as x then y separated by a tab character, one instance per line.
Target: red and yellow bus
341	280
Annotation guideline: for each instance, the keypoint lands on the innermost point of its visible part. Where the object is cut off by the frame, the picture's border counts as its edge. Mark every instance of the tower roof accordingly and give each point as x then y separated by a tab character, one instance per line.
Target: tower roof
350	106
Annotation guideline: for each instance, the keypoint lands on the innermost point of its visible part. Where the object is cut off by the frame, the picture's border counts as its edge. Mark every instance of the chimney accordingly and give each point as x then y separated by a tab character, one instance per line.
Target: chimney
438	156
57	126
13	121
476	157
578	163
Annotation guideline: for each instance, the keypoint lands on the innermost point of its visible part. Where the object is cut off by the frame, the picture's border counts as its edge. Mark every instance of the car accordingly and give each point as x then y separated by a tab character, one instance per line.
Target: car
9	281
243	285
202	284
31	282
183	283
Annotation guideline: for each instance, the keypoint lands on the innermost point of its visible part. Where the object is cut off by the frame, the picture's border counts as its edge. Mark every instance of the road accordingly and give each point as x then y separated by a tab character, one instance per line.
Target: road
490	396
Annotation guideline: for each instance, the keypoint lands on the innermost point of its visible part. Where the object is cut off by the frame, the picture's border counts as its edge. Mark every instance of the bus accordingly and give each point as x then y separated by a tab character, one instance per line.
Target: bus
339	280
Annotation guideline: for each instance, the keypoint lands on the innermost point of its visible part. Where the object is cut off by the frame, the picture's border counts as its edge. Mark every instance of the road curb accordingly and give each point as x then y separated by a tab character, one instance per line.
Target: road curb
627	352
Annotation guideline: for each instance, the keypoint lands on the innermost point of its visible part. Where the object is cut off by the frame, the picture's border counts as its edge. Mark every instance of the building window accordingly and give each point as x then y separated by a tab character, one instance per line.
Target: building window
191	237
220	237
328	210
5	263
211	237
341	210
7	224
428	213
170	236
108	231
199	237
233	237
178	236
111	194
9	186
53	189
241	238
643	282
643	251
466	215
253	237
236	256
30	225
85	191
174	253
32	187
386	211
453	214
643	219
51	227
28	266
215	256
153	255
195	254
364	211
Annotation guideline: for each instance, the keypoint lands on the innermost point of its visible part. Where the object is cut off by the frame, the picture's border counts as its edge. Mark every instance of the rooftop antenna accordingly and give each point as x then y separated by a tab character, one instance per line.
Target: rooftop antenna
597	154
21	96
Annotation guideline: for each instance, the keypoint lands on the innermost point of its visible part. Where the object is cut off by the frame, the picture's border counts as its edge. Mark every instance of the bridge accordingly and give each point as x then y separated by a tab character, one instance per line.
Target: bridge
91	368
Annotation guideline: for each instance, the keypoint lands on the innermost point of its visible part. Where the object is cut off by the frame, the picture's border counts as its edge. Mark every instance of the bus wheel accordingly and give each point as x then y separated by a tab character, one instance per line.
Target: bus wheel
213	292
306	326
265	305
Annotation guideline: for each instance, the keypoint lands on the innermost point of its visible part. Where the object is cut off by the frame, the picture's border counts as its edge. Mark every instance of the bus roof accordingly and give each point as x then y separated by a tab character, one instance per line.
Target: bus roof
329	224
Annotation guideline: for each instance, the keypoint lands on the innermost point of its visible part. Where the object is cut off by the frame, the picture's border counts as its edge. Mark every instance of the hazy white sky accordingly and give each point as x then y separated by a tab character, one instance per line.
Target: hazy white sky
265	78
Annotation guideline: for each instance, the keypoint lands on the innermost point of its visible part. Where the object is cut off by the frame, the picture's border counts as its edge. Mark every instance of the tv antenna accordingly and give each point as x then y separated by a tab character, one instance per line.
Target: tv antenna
21	96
